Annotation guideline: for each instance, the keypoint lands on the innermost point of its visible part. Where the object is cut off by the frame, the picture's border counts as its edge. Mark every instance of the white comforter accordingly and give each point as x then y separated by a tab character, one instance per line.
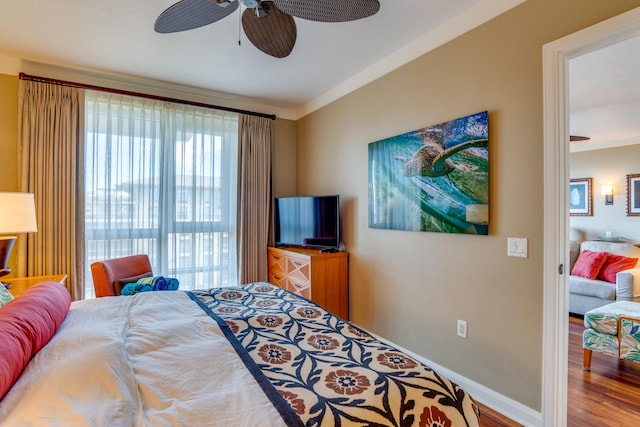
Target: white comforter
117	362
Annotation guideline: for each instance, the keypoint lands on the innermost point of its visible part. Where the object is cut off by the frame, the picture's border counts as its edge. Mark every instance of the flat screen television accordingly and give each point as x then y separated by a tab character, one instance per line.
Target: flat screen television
307	221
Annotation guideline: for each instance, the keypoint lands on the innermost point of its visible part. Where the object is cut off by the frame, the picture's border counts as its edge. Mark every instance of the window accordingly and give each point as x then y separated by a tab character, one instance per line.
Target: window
160	179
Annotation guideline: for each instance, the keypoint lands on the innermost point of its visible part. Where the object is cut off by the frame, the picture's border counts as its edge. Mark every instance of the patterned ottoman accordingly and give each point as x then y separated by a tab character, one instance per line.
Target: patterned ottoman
614	330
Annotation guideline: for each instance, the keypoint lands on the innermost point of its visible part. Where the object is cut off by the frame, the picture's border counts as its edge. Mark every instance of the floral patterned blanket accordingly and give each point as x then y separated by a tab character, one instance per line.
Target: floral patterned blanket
319	370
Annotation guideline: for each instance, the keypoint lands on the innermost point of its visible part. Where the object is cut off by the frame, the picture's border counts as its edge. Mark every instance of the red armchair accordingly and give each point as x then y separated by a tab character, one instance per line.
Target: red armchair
105	273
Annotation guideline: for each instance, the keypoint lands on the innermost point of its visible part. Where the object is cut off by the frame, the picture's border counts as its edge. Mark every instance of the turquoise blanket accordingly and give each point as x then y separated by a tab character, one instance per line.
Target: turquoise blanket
148	284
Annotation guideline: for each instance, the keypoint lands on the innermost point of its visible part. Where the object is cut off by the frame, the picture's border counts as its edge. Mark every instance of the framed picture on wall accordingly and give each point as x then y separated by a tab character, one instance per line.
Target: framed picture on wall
433	179
633	194
580	197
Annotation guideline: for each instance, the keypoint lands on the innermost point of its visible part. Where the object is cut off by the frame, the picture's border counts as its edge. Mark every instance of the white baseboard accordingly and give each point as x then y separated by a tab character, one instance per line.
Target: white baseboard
508	407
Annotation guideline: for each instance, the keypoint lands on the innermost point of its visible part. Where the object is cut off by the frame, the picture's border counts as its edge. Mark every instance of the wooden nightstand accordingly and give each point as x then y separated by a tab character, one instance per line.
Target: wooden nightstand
21	284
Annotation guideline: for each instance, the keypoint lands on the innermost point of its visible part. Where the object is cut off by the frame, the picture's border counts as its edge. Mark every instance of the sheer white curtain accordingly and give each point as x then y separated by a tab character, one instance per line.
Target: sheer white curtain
161	179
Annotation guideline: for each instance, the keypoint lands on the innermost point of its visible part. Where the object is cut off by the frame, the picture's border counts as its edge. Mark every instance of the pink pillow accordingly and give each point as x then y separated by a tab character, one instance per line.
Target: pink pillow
589	264
613	265
26	325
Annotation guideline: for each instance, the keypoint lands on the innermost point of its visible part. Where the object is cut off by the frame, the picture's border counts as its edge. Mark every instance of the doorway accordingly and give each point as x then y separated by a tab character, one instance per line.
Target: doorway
556	219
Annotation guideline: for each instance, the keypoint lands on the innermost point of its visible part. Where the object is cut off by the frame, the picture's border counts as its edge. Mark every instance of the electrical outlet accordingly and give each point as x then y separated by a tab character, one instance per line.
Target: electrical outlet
462	328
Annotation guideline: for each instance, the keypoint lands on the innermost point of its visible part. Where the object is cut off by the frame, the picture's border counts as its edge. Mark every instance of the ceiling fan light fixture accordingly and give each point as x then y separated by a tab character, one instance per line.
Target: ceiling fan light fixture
251	4
261	12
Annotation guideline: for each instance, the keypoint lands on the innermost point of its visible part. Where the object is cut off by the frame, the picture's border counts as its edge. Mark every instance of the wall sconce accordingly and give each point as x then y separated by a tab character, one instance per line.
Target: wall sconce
18	215
607	192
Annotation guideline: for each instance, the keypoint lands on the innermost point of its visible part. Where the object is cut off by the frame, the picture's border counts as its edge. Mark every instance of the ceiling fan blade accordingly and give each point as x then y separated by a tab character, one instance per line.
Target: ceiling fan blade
578	138
274	34
190	14
329	10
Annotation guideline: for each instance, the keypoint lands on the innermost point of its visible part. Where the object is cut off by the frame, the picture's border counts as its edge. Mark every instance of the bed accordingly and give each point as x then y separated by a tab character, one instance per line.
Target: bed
255	355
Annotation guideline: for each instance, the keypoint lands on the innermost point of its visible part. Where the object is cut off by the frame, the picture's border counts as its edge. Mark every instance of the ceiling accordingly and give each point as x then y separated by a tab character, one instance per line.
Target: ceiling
328	61
604	96
116	38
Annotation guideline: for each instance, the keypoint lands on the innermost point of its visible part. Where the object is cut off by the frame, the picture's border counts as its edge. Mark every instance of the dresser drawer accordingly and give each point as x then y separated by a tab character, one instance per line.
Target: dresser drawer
300	288
277	278
320	277
277	262
299	270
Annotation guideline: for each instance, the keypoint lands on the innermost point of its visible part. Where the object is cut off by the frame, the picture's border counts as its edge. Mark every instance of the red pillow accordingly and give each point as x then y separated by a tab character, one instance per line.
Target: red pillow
26	325
613	264
589	264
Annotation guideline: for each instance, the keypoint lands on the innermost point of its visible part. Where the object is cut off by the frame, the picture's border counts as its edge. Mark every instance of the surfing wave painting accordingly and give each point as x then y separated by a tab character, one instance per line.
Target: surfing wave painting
432	179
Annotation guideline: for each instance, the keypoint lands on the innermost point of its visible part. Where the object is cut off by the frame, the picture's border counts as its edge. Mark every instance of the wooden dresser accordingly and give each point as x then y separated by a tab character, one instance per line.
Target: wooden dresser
320	277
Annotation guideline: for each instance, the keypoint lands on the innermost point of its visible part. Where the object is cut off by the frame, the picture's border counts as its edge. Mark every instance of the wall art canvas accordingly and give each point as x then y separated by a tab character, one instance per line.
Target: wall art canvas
580	197
432	179
633	194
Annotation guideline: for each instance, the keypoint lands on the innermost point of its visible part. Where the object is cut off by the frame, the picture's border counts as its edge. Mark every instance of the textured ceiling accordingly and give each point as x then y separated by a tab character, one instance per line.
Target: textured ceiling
604	101
117	36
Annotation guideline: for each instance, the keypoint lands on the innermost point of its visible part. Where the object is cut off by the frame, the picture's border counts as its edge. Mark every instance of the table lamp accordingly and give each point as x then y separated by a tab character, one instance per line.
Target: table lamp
17	215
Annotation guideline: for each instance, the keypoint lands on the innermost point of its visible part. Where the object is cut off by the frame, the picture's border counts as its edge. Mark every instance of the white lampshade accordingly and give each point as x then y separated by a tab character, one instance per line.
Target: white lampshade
17	213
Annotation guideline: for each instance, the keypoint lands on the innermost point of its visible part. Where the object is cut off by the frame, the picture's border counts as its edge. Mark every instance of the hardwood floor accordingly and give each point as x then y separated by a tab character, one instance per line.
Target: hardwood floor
491	418
606	396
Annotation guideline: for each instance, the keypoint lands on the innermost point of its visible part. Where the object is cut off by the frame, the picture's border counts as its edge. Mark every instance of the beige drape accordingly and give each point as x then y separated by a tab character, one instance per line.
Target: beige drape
254	197
50	137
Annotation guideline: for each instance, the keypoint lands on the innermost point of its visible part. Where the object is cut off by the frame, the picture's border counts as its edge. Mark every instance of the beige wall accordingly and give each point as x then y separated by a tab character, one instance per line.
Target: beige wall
411	287
606	167
284	158
9	147
9	133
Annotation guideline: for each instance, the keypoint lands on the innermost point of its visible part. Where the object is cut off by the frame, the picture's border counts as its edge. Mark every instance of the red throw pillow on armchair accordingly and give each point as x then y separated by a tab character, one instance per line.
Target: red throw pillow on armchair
589	263
614	264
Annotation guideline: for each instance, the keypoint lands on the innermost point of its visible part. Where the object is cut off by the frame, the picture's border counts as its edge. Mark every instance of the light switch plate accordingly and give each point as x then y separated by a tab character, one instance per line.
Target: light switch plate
517	247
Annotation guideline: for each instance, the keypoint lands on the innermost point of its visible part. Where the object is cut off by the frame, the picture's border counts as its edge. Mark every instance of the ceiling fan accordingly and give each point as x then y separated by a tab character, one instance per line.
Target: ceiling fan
575	138
268	24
